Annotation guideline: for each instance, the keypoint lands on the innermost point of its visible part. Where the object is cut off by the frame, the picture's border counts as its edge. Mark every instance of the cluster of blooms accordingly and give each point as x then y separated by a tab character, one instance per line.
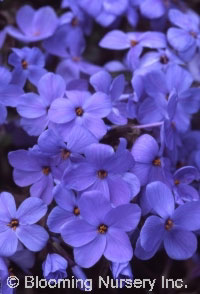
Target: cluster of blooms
135	196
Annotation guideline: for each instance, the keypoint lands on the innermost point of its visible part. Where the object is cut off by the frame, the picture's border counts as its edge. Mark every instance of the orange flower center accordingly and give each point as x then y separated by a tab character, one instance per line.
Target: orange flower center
102	229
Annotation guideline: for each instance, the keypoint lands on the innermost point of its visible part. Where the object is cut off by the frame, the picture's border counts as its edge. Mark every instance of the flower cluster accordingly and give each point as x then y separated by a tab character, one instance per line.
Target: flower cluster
115	167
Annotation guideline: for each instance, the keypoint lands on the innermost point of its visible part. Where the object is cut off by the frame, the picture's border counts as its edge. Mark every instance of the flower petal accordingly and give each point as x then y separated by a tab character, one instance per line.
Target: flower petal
118	246
98	105
61	111
78	233
187	216
31	105
180	244
94	206
80	178
120	193
58	218
152	233
34	237
31	211
8	242
101	81
125	217
86	256
179	39
160	199
7	207
116	40
51	86
145	149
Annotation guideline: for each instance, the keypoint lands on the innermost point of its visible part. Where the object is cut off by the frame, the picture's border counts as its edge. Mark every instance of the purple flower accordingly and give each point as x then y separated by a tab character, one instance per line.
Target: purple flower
164	86
76	18
105	12
156	60
118	40
153	8
54	267
66	211
19	225
121	270
60	43
170	226
68	151
185	38
102	82
33	108
156	8
81	109
105	171
135	41
34	168
34	25
150	165
28	64
102	231
9	93
182	189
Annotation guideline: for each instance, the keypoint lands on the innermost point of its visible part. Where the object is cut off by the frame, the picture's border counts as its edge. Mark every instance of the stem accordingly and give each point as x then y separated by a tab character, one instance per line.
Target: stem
157	124
62	252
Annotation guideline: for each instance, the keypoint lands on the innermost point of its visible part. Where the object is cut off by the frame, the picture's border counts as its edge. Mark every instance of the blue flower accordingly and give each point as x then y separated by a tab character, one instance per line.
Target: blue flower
106	171
28	64
32	167
54	267
81	109
102	231
33	108
34	25
185	38
171	226
19	225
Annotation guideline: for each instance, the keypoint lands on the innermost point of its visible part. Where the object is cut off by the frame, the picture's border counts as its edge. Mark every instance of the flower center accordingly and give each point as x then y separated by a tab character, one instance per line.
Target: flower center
133	43
36	34
157	162
24	64
169	224
46	170
79	111
65	154
74	21
176	182
193	34
76	211
102	174
76	58
13	224
164	59
102	229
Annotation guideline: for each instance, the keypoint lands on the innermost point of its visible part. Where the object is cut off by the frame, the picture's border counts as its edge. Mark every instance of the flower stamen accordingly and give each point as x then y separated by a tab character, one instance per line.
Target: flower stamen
169	224
65	154
46	170
13	224
157	162
24	64
102	229
79	111
76	211
102	174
